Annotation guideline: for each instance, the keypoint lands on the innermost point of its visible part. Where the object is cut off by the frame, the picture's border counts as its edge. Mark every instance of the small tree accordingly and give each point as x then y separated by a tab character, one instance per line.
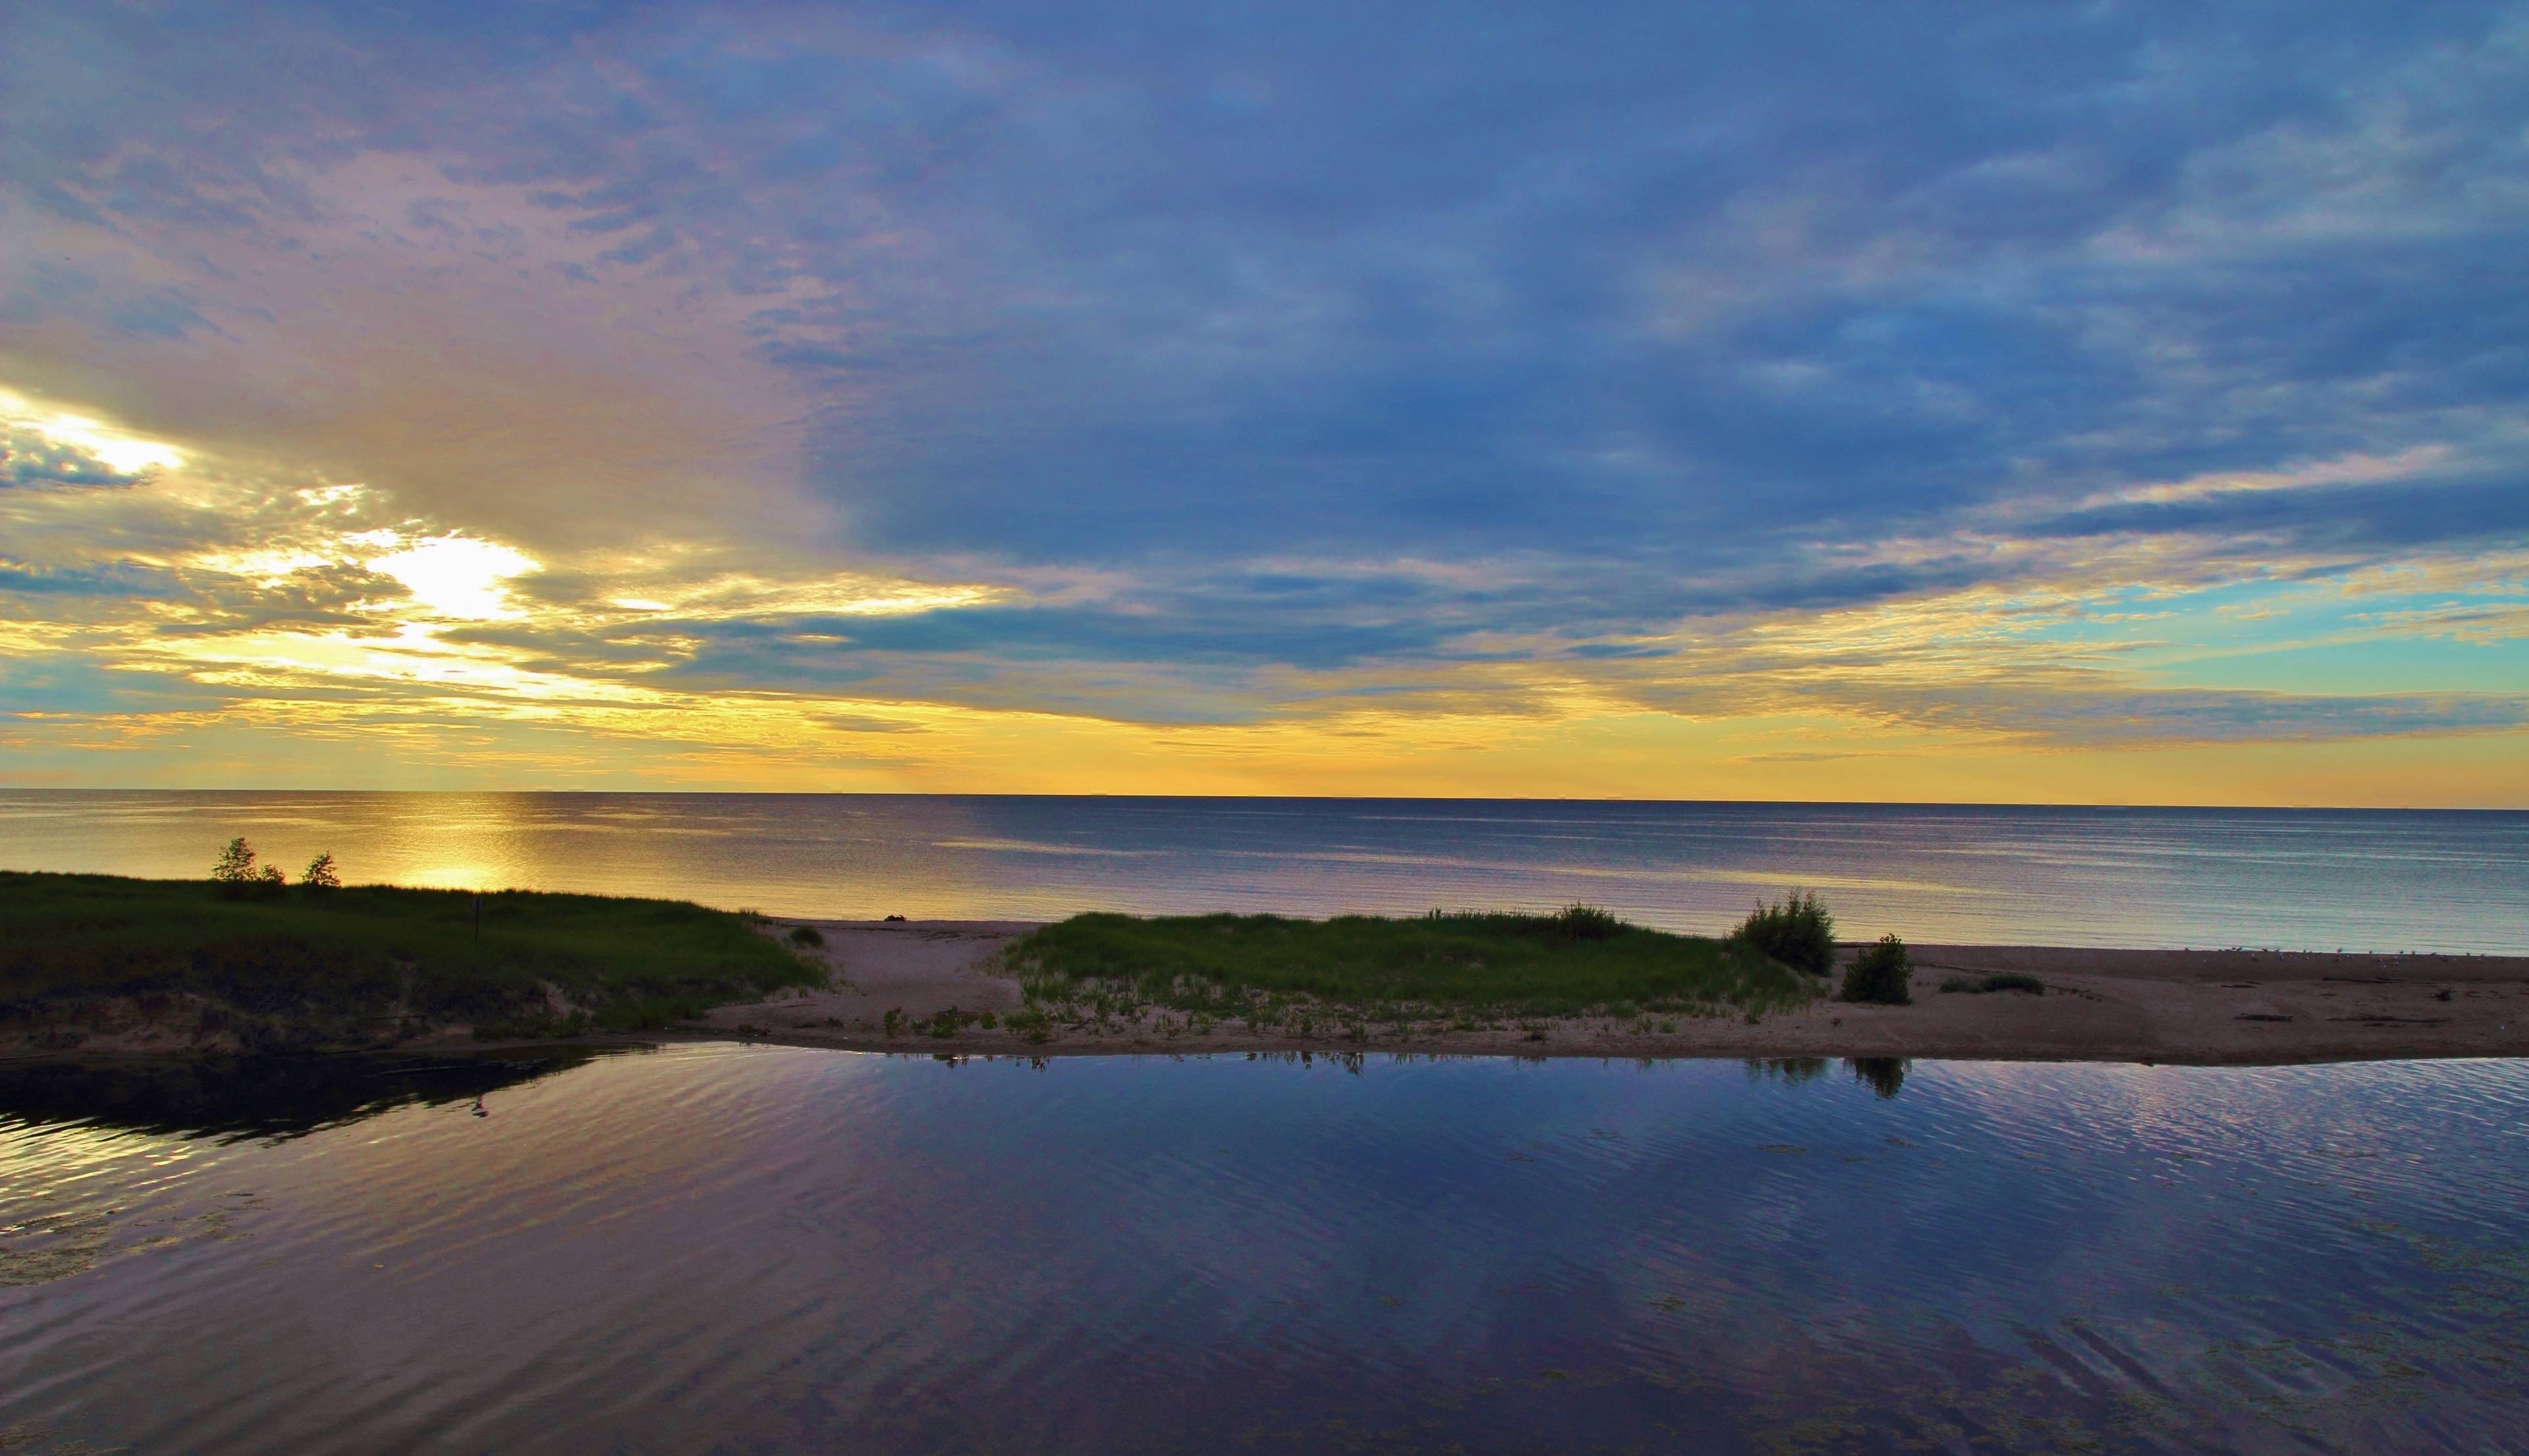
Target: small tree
1879	974
1799	933
236	874
234	871
321	874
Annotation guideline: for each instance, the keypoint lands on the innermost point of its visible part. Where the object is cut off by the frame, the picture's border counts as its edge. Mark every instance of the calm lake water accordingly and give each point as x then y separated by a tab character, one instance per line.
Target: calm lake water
721	1248
2295	880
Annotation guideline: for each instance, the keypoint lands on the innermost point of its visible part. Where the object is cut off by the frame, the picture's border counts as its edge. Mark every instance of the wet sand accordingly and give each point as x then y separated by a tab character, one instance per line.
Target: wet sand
2199	1006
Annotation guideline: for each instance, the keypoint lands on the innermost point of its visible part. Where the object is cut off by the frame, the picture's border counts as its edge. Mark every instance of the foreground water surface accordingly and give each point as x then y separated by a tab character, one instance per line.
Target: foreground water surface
730	1248
2296	879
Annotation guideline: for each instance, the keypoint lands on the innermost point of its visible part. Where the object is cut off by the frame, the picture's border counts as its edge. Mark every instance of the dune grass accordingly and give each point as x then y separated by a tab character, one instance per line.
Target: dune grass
322	961
1460	969
2003	981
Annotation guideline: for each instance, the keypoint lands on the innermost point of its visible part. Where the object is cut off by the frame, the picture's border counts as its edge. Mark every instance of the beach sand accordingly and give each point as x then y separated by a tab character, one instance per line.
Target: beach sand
2198	1006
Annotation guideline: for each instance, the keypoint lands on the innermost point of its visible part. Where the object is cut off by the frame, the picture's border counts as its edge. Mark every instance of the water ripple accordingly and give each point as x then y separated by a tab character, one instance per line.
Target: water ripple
776	1249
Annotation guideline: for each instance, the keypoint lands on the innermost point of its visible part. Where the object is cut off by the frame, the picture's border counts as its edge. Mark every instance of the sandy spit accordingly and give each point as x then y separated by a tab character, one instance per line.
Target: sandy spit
2240	1008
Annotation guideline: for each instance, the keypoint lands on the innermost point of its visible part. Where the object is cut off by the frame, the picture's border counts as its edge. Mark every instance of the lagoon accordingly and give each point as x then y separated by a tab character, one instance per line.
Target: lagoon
721	1247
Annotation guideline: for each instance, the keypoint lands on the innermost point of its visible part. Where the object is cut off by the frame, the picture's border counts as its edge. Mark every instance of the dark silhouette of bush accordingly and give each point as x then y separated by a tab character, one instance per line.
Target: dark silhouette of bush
806	935
238	879
2005	981
321	874
1879	974
1578	922
1799	933
236	864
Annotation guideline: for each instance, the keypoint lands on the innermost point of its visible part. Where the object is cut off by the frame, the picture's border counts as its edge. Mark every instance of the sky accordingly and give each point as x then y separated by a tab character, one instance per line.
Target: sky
2085	403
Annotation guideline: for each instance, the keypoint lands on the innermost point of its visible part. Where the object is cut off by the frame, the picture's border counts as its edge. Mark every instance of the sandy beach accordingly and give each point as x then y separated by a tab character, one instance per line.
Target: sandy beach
2195	1006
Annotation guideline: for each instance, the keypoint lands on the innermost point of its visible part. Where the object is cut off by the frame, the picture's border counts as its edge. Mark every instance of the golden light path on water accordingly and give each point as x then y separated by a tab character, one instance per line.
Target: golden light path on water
2316	881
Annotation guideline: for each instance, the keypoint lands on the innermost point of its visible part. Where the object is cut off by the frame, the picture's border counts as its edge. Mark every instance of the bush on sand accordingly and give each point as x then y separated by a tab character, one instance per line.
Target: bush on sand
1799	933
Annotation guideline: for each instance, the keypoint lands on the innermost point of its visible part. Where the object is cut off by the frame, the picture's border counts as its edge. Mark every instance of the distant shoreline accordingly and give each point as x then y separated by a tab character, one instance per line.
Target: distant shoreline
2212	1008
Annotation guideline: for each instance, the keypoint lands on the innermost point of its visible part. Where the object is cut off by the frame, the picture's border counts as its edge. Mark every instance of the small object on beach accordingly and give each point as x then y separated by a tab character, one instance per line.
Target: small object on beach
892	918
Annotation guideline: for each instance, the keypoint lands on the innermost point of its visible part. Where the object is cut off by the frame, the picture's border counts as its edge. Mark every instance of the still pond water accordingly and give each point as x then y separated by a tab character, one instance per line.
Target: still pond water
723	1248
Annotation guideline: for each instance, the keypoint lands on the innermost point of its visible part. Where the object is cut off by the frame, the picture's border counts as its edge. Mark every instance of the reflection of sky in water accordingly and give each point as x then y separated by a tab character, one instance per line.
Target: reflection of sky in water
763	1248
2315	879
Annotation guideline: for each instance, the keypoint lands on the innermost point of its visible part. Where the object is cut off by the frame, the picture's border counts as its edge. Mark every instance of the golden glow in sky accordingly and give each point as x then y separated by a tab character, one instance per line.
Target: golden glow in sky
313	643
456	576
724	396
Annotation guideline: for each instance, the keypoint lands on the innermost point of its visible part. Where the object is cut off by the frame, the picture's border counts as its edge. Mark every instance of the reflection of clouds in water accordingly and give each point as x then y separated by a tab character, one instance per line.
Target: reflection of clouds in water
804	1243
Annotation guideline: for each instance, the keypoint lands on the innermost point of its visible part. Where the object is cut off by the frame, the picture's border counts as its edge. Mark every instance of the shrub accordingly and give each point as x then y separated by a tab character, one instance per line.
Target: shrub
1799	933
321	874
2004	981
1578	922
806	935
1879	974
235	873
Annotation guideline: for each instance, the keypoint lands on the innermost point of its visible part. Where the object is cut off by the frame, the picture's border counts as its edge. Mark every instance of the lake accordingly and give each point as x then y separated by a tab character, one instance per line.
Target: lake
720	1248
2300	880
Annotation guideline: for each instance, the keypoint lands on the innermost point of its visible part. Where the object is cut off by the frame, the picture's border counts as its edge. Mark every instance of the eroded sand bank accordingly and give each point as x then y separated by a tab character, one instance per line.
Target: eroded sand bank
2235	1007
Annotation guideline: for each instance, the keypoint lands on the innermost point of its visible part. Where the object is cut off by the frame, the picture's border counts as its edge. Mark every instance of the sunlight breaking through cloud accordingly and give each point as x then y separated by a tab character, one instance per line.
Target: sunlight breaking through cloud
457	576
1656	403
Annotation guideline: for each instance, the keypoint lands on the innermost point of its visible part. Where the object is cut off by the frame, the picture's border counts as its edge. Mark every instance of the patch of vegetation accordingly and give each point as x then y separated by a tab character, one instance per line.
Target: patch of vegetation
1799	931
2006	981
239	878
1880	975
806	935
951	1021
1271	972
358	963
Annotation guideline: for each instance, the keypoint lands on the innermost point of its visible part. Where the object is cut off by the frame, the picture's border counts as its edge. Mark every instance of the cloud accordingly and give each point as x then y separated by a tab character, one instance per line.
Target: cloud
1943	372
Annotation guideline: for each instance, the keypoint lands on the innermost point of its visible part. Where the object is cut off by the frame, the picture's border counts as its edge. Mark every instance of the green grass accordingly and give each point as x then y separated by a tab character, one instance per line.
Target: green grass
1469	969
315	965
